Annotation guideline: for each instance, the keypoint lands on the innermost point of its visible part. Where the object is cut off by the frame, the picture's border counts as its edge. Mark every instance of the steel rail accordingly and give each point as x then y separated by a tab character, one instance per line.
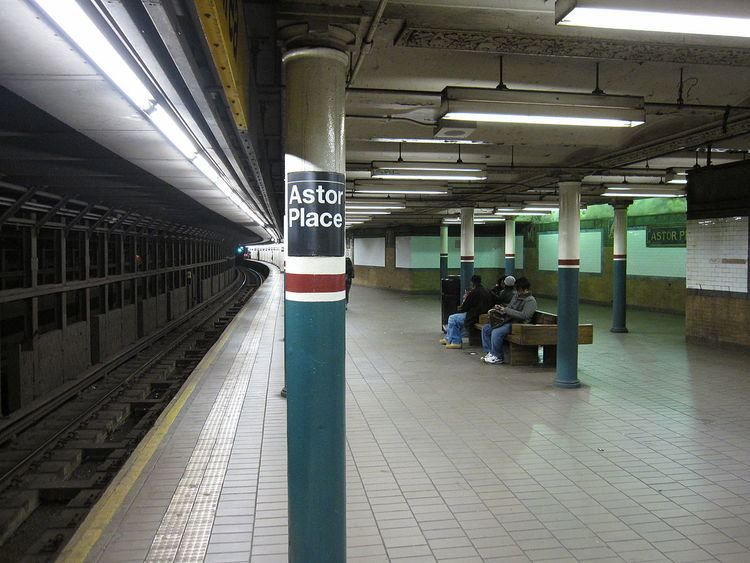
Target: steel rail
34	415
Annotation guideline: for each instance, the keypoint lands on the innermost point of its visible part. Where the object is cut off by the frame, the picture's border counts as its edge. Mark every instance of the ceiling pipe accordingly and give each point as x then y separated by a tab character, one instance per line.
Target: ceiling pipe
367	41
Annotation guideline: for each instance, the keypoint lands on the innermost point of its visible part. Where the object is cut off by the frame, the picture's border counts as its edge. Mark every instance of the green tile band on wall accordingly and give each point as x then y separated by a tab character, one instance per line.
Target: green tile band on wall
422	252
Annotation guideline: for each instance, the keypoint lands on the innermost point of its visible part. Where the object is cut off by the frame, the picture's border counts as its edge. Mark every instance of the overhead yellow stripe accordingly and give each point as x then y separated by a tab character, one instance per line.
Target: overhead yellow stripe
223	23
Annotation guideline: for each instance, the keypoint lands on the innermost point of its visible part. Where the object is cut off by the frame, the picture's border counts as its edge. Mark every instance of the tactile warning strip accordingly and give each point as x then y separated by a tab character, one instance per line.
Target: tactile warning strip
185	529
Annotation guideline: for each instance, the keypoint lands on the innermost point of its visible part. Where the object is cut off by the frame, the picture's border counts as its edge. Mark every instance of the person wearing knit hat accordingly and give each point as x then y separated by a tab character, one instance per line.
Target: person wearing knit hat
504	291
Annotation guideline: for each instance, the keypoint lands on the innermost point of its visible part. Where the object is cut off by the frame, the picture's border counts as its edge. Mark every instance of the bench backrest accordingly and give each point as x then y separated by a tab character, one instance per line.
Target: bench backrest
544	318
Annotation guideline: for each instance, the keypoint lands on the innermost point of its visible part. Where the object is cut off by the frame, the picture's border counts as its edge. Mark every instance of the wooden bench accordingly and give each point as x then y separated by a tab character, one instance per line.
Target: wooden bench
524	340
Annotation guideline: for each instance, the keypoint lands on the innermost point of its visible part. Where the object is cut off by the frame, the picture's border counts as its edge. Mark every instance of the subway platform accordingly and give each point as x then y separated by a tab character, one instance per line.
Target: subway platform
448	458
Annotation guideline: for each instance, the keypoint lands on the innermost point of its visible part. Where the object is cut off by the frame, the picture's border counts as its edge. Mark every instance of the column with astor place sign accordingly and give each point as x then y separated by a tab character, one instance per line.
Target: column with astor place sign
314	304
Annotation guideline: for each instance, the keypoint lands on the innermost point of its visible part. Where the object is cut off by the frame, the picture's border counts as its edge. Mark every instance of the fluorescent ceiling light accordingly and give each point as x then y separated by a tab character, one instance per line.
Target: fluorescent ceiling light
429	175
76	24
172	131
678	16
432	140
401	190
348	213
642	194
541	108
79	28
521	212
428	166
609	179
677	181
643	187
458	221
374	207
545	209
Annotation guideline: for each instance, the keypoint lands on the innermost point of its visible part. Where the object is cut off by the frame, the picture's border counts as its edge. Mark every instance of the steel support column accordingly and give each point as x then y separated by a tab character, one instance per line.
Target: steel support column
620	268
443	251
314	305
568	265
467	248
510	246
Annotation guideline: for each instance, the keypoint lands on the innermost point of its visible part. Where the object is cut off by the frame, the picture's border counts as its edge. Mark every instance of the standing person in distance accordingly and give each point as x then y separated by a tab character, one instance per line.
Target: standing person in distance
349	278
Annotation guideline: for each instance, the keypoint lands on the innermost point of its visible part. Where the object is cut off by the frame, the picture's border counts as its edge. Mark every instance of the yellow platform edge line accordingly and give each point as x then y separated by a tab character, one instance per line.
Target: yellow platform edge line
92	528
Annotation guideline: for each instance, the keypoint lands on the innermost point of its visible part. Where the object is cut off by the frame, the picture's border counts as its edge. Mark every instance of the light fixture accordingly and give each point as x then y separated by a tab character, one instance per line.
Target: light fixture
642	194
652	188
612	179
489	218
521	212
542	108
81	30
431	140
400	190
428	166
545	209
172	131
375	207
726	18
458	221
367	213
453	171
435	175
676	177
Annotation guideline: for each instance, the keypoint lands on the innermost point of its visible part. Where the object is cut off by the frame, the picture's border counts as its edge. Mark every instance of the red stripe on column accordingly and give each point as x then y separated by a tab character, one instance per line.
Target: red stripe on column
510	255
467	258
619	256
568	262
315	283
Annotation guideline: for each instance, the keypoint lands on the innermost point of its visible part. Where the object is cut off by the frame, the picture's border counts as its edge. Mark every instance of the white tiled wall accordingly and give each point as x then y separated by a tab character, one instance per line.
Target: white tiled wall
717	254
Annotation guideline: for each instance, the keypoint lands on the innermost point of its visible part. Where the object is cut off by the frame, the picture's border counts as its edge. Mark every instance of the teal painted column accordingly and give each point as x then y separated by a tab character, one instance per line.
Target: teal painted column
467	248
510	246
314	303
568	265
620	268
443	252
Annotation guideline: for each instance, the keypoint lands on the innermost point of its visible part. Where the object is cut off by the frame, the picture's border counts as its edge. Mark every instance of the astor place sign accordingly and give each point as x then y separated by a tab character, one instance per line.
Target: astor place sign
315	213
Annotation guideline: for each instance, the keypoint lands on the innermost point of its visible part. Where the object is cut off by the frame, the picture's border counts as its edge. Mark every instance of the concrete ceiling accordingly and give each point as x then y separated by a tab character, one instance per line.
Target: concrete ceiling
66	127
418	48
422	46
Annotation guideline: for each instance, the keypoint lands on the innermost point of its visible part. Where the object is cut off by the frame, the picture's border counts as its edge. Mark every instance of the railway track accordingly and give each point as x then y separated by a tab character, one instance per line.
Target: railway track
58	457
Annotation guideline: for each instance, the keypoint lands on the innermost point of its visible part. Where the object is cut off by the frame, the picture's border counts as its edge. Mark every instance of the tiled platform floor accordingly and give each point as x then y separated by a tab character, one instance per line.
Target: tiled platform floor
451	459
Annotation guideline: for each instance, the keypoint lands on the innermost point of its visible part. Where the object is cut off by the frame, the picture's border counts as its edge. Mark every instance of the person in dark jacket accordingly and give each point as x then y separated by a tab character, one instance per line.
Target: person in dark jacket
520	310
476	301
349	277
504	291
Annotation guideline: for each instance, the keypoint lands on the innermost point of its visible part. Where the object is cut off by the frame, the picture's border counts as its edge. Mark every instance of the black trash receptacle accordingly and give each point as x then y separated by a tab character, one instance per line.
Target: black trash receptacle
450	297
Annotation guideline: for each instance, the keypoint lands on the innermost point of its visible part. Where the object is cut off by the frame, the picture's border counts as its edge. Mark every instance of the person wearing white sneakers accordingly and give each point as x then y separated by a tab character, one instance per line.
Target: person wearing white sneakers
520	310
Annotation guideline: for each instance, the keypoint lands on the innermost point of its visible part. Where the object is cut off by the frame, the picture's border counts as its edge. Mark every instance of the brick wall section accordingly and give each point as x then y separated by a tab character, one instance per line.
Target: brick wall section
716	318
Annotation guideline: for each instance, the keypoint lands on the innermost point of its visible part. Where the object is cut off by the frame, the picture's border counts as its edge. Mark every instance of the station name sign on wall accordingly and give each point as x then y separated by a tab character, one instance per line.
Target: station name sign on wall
315	213
665	237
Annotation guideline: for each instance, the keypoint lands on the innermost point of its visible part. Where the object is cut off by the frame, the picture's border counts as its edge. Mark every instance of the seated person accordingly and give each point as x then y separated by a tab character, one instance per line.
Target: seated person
475	302
520	310
504	290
